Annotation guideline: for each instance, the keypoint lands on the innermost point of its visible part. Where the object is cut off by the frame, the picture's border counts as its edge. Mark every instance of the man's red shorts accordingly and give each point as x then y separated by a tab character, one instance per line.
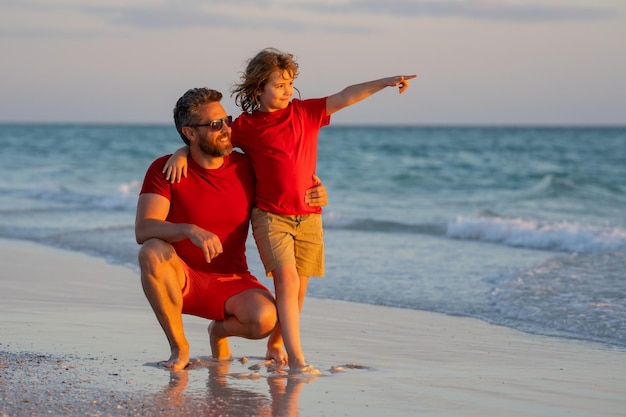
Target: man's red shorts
205	294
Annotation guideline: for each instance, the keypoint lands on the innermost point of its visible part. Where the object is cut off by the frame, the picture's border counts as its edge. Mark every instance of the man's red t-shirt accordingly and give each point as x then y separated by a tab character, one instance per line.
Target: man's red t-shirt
218	200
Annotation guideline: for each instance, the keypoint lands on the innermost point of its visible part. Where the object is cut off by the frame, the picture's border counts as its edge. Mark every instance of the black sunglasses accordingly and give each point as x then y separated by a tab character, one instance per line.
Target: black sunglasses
216	125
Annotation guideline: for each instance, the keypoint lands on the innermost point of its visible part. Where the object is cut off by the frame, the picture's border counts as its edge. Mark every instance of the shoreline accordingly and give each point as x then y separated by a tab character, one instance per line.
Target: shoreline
79	337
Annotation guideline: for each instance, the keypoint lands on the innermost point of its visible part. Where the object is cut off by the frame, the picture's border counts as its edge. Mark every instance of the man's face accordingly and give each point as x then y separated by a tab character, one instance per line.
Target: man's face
210	141
277	92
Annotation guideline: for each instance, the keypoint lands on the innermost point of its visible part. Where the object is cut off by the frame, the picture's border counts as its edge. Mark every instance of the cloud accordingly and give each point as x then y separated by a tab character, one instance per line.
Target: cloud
302	15
241	15
62	18
471	9
66	17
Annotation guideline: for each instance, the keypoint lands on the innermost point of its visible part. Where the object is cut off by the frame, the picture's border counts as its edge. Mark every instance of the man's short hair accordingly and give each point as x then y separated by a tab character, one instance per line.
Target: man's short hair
187	107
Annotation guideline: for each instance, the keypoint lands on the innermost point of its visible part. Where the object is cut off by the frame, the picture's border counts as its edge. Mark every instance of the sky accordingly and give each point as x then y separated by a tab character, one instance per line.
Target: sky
480	62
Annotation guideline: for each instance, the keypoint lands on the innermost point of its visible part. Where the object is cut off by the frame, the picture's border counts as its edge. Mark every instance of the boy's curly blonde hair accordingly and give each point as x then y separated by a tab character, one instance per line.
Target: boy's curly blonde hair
258	71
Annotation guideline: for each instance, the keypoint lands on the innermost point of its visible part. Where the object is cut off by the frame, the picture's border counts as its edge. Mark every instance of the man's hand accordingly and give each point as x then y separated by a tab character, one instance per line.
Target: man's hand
316	196
207	241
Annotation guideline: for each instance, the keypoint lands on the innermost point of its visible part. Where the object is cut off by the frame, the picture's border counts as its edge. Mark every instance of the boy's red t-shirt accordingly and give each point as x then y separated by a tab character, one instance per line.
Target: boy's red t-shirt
283	148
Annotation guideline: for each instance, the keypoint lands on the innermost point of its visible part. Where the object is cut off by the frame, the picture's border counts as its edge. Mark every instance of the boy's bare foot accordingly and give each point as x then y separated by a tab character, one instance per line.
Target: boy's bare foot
304	369
220	348
178	360
277	354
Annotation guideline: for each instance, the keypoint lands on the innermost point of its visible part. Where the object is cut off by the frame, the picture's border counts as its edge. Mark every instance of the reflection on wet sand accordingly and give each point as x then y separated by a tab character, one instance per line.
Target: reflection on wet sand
225	394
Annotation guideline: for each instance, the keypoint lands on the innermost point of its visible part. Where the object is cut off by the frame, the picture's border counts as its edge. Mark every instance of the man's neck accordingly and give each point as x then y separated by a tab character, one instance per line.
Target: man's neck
207	161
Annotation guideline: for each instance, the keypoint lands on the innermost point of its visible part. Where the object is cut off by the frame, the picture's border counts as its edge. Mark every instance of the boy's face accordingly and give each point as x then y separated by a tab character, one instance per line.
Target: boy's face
277	92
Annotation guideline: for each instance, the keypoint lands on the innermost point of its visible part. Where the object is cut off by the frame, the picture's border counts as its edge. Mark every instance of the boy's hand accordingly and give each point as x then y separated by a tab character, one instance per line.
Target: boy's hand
175	168
402	82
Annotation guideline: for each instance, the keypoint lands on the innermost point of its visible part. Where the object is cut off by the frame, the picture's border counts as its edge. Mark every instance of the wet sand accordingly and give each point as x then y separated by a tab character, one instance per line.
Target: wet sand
77	338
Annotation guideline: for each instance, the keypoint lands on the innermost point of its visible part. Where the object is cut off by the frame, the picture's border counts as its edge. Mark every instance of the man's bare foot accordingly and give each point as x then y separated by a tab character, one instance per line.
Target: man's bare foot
277	354
220	348
178	360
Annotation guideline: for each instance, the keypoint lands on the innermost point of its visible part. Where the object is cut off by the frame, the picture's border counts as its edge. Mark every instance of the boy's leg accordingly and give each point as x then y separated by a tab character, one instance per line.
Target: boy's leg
287	245
308	252
275	343
287	289
304	282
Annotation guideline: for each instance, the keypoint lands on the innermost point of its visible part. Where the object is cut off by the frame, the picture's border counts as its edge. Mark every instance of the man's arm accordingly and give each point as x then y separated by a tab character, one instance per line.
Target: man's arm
357	92
150	223
316	196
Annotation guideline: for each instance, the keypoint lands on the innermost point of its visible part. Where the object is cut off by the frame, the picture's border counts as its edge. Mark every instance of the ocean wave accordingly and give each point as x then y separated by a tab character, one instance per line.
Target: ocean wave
115	243
558	236
561	236
552	186
383	226
124	197
575	295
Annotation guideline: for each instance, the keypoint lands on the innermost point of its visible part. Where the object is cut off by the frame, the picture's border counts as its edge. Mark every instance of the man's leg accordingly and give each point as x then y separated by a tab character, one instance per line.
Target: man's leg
162	279
250	314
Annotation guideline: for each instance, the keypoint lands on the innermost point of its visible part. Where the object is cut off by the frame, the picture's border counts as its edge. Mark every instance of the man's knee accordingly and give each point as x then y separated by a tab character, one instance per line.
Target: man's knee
158	263
255	309
154	252
266	318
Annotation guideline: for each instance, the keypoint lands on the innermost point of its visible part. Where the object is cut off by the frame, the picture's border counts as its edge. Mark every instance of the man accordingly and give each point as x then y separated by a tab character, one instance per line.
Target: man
193	235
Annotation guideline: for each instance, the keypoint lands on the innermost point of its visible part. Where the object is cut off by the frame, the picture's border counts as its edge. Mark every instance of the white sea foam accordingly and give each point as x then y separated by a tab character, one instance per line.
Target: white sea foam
533	234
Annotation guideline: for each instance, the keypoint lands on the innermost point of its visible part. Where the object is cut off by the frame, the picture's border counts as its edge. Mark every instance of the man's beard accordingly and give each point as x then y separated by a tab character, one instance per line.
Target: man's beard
214	148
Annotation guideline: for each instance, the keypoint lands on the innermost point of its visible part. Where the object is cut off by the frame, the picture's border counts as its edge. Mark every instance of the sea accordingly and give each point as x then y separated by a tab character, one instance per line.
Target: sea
523	227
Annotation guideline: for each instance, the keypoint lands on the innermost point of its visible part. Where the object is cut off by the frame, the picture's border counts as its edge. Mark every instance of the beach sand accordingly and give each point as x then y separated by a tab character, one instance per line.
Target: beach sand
77	338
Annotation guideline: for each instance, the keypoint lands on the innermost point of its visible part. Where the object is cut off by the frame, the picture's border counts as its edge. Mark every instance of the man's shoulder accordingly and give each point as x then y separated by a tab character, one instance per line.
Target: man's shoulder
237	157
161	160
240	165
158	163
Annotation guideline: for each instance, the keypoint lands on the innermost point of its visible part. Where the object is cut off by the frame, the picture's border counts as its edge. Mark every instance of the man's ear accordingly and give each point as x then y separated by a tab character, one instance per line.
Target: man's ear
189	132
